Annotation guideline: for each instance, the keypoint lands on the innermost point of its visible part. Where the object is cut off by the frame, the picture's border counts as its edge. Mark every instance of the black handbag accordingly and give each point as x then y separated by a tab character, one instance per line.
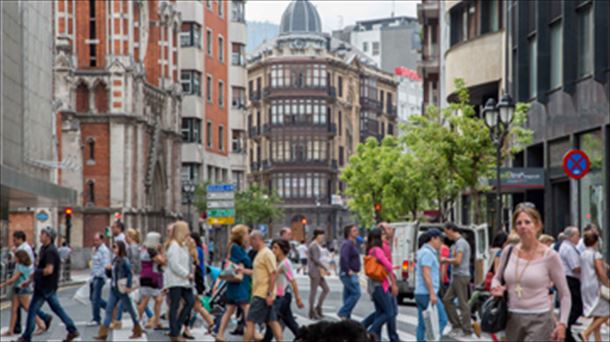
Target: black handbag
495	309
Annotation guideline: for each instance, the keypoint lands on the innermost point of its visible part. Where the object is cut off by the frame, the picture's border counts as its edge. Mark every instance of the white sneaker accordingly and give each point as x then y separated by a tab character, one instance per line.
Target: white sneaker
454	333
93	323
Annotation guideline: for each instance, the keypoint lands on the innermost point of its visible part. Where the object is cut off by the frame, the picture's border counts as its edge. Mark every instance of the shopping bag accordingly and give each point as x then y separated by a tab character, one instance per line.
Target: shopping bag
82	294
431	322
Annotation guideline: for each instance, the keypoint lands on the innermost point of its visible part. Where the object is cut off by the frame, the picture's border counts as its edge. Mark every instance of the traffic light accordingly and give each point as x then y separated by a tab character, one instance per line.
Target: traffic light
377	207
68	215
304	221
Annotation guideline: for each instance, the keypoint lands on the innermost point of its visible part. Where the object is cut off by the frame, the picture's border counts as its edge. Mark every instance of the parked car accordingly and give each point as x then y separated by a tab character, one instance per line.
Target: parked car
405	245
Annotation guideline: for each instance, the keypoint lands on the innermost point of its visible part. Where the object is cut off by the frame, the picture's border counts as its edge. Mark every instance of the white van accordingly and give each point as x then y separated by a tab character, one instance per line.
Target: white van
404	251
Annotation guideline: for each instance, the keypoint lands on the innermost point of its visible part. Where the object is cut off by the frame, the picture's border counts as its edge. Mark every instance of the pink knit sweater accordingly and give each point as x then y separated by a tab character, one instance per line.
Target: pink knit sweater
535	282
381	258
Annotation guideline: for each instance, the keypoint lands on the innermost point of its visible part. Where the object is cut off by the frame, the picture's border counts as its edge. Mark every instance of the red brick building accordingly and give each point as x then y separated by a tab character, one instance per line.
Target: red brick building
116	82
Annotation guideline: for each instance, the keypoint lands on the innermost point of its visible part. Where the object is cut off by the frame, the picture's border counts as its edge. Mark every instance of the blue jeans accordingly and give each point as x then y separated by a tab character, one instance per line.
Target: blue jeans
114	298
95	295
351	294
422	304
392	333
119	315
382	311
38	300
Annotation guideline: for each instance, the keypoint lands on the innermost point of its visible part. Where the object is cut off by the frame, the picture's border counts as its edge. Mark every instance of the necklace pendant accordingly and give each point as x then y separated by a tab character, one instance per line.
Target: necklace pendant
519	290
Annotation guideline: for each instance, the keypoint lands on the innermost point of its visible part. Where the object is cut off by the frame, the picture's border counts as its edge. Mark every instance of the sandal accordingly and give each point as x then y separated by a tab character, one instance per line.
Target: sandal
7	333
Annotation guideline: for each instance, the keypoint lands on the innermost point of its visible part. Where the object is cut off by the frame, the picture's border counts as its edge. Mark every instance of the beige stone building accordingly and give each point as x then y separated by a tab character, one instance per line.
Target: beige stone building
311	100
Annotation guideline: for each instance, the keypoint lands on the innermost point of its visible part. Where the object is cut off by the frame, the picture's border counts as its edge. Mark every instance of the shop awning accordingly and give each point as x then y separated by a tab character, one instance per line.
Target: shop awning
516	179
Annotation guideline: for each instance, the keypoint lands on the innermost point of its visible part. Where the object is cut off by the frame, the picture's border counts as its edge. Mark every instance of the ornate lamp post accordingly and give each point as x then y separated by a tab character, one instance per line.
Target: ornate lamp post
188	188
498	118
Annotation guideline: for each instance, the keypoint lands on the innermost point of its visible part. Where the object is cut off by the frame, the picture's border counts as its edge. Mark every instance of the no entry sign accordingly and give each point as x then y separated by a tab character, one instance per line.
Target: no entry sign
576	164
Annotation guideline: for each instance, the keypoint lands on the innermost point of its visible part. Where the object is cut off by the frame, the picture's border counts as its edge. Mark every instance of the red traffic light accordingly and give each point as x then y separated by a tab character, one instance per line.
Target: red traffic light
117	216
68	211
377	207
304	221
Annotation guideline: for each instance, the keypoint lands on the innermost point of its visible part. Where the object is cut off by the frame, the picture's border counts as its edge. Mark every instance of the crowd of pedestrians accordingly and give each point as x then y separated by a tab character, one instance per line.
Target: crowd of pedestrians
256	281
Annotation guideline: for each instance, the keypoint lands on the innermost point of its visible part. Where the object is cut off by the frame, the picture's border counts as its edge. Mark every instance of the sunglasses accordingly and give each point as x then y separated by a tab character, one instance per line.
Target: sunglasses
525	205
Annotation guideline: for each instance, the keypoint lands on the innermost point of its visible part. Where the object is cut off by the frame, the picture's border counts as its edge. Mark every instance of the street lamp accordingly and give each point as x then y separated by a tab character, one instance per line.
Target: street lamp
188	188
498	118
318	204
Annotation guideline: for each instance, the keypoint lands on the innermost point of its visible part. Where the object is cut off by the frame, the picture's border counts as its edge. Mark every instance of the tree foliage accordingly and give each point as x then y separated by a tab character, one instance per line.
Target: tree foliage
442	153
255	205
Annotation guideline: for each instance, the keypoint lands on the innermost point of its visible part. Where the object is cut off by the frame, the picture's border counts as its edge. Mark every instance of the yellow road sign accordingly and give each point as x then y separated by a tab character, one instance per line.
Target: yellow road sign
221	220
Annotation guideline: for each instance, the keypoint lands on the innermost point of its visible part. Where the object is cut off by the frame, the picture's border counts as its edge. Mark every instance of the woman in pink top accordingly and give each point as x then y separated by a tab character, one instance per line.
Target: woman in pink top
380	290
530	270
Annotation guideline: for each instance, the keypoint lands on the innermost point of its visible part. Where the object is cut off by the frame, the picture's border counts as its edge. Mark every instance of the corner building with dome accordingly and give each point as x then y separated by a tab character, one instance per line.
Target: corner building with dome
311	100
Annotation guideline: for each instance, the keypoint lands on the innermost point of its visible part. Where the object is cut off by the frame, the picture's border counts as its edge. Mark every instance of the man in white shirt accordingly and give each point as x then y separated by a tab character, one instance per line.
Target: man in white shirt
302	249
570	258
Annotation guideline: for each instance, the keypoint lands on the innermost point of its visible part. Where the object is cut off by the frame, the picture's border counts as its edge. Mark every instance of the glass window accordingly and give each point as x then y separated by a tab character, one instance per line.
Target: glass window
191	130
556	55
375	48
209	134
585	41
237	58
592	185
190	35
221	138
221	49
238	97
191	82
208	41
209	88
238	11
365	47
221	8
533	67
221	94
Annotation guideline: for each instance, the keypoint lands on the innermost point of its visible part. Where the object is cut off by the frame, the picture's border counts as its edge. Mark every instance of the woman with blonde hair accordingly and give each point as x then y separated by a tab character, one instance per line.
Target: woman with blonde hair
238	293
530	267
177	278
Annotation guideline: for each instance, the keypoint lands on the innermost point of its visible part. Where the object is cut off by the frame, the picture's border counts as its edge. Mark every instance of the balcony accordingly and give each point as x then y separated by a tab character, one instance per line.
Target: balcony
299	126
254	167
254	132
429	59
271	92
298	164
370	104
428	9
392	112
255	97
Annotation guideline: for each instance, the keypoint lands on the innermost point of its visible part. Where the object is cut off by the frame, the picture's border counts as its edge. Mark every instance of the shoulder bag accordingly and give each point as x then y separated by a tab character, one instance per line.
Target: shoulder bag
229	274
495	309
374	269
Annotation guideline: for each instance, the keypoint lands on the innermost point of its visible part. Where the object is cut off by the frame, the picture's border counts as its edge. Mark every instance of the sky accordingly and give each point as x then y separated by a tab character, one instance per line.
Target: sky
334	14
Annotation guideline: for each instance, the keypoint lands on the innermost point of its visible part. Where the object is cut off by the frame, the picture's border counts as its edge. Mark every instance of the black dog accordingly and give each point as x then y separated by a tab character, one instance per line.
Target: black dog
343	331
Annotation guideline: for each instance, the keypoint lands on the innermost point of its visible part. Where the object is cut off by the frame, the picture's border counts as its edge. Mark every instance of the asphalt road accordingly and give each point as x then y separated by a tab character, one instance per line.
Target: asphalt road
81	314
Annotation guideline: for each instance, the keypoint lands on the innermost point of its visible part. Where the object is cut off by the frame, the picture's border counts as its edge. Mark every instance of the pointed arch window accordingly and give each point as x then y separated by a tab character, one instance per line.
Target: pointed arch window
90	192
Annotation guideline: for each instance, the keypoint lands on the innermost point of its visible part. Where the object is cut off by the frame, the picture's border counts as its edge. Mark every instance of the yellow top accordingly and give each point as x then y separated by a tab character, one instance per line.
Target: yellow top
264	265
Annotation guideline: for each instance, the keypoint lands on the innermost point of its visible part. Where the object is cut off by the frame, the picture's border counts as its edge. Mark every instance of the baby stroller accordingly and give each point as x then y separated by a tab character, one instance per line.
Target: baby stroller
213	299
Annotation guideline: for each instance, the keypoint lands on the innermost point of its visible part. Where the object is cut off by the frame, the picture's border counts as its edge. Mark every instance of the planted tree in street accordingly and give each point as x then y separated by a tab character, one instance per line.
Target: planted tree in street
442	153
256	205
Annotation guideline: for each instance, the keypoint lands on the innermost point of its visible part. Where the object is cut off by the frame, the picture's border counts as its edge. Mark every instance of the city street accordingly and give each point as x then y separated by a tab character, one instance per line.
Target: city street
81	314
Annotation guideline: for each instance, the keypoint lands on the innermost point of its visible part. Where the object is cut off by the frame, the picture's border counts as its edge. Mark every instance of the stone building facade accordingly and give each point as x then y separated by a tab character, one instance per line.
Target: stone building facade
312	99
116	84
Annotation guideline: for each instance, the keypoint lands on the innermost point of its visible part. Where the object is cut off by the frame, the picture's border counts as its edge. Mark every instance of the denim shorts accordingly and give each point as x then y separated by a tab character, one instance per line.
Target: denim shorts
17	291
260	312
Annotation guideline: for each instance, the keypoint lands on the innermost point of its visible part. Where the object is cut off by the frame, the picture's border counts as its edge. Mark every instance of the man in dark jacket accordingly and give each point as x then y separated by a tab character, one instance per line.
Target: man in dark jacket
349	267
46	281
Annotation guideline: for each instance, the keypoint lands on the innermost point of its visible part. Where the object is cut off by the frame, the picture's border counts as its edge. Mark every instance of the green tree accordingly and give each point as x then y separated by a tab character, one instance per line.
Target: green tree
200	200
256	205
442	153
380	173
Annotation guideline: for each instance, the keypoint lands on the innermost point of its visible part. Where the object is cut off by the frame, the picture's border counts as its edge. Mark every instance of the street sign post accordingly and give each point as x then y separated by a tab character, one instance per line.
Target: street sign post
221	204
576	164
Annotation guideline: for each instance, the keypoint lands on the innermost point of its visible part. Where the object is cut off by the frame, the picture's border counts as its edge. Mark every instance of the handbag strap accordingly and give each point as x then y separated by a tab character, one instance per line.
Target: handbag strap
510	251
